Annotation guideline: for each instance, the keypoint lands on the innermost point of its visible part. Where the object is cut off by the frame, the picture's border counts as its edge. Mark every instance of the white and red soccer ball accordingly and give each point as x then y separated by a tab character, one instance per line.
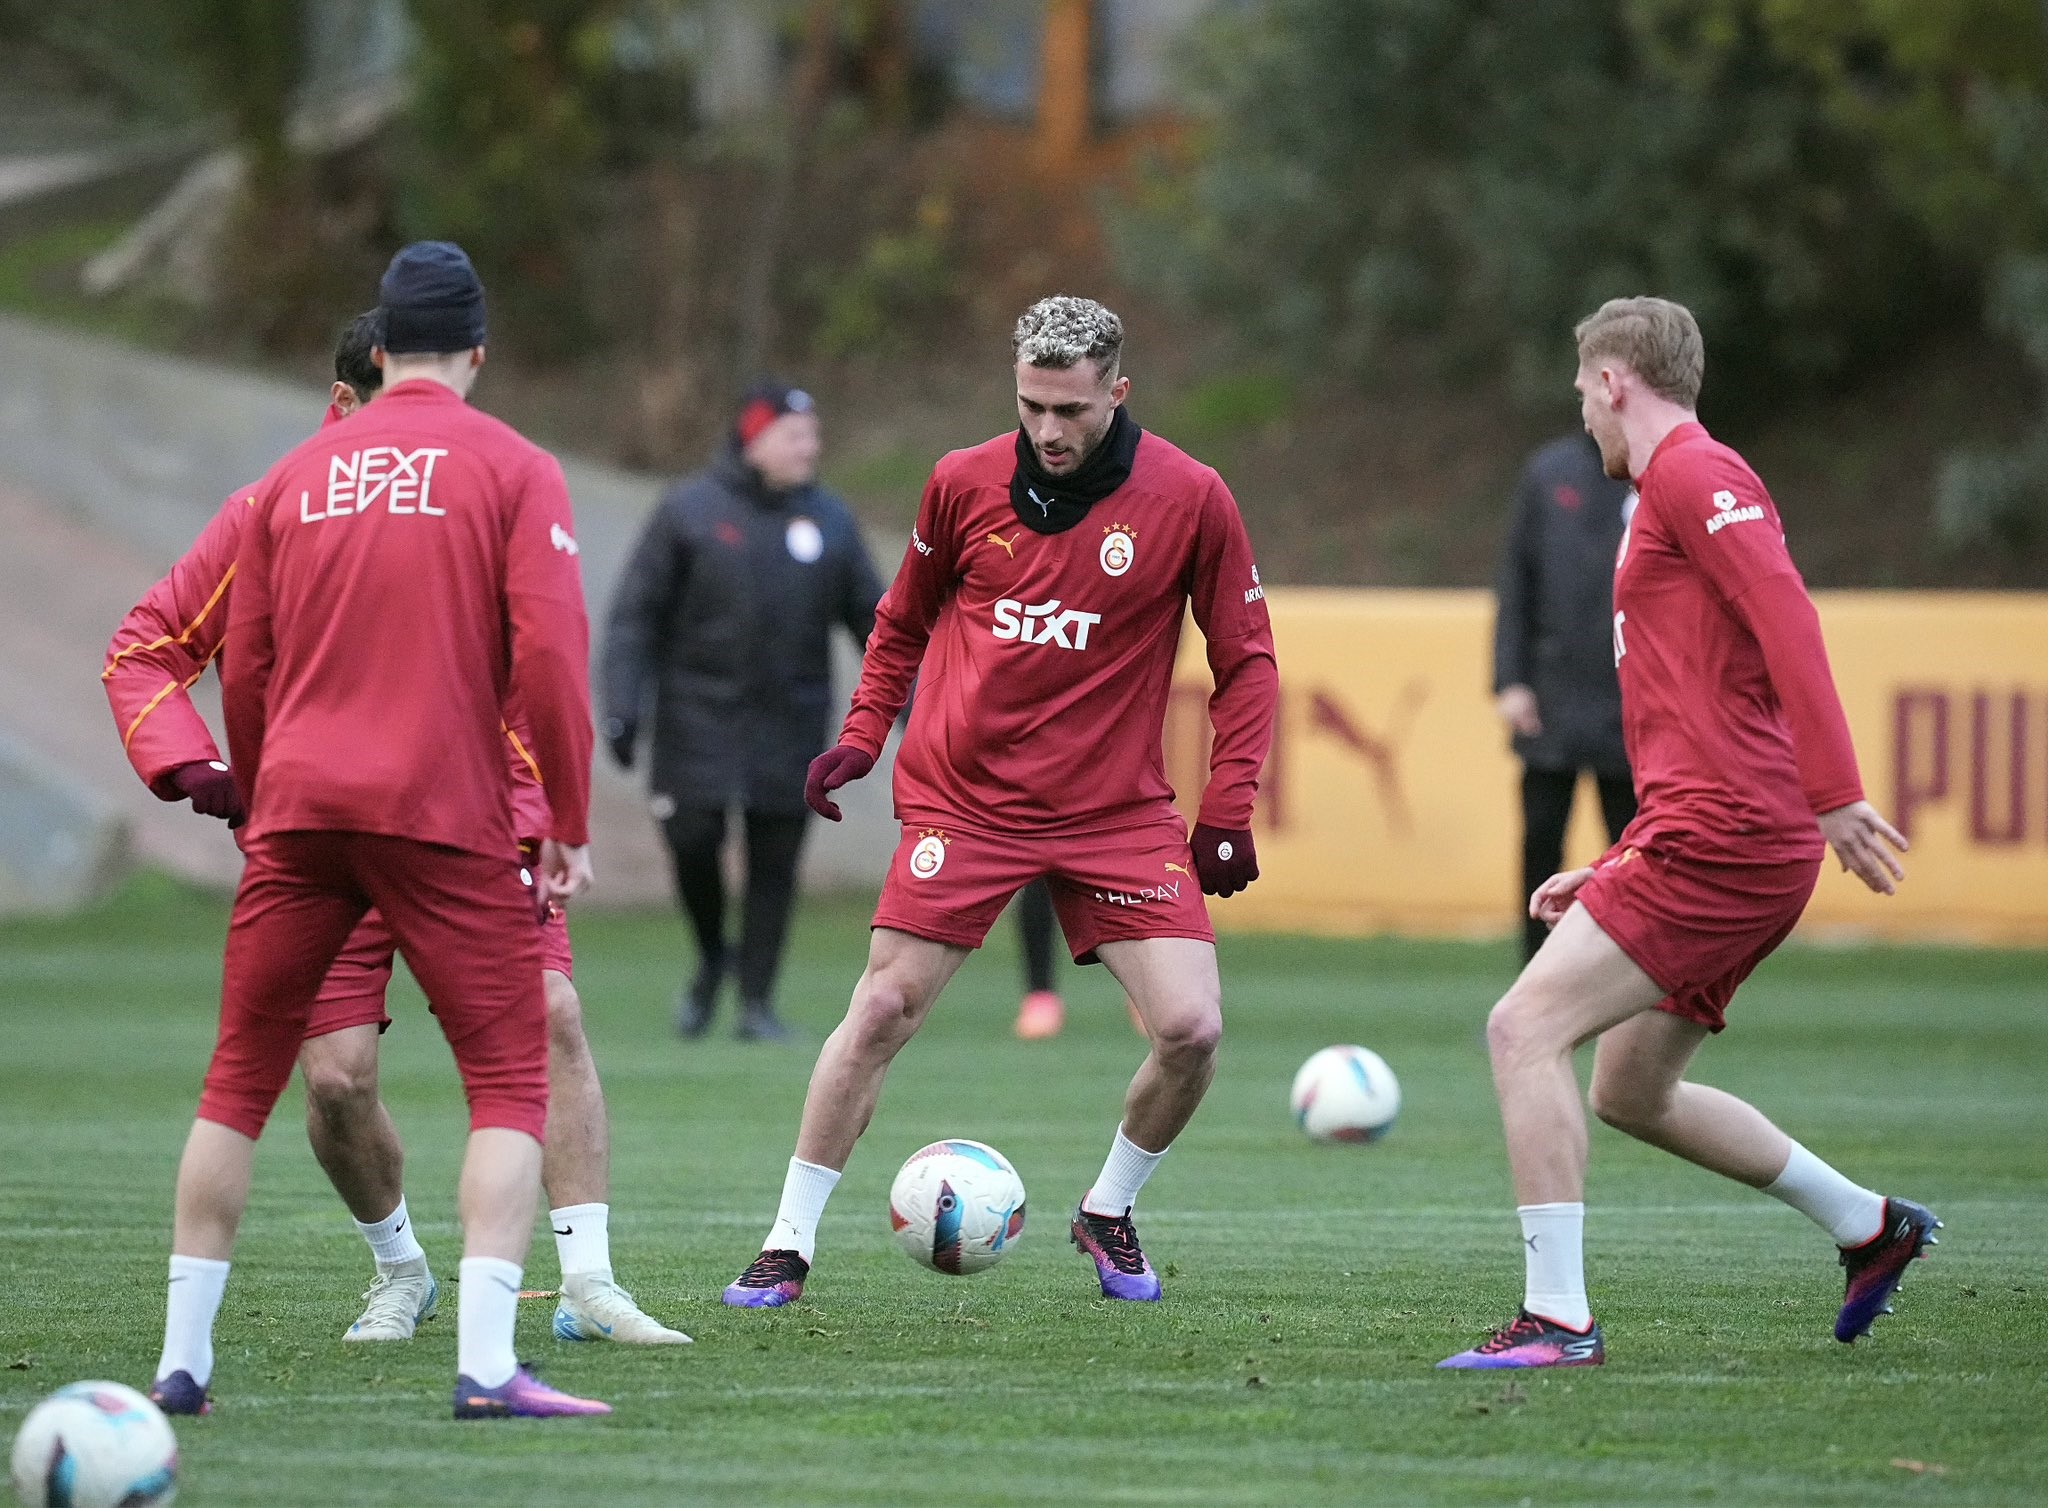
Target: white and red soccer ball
1346	1094
957	1206
95	1445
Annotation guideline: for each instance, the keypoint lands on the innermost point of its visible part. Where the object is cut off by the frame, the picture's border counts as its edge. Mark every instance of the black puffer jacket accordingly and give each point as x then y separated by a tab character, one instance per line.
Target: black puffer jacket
725	613
1555	626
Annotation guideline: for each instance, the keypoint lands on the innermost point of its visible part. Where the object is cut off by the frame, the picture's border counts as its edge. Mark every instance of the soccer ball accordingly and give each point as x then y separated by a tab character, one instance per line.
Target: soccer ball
1346	1094
95	1445
957	1206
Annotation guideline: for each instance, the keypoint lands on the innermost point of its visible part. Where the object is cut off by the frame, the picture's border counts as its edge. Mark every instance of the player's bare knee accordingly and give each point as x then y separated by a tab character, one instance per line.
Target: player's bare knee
339	1090
1629	1108
1188	1039
885	1011
565	1015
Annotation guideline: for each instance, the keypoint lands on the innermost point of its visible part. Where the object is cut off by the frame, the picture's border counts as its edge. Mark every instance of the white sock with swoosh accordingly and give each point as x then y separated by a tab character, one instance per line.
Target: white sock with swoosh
392	1239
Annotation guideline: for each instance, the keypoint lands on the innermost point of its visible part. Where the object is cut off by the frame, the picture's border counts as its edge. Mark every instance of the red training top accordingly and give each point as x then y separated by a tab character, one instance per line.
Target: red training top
1047	658
1731	719
167	640
403	575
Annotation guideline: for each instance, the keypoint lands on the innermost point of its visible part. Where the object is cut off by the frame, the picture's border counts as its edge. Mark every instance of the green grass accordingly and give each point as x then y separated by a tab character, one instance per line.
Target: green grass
1309	1289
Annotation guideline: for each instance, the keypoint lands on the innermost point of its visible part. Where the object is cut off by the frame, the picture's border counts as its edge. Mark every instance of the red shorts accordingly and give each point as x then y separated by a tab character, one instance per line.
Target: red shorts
950	885
353	992
1697	927
465	924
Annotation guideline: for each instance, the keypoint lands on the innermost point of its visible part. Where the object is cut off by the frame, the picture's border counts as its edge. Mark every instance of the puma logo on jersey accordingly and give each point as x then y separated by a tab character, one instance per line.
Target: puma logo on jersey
563	540
1044	623
1009	545
1173	868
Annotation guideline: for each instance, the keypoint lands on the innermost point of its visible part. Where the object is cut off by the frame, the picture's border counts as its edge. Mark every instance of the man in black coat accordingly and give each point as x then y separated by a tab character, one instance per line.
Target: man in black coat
1553	651
725	614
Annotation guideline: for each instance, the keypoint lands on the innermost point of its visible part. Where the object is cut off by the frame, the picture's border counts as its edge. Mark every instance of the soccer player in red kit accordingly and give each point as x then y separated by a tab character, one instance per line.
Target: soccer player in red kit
1041	600
164	645
400	576
1745	774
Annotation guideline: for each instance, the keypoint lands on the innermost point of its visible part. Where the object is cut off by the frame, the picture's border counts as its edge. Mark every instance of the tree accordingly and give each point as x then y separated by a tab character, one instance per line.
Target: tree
1446	185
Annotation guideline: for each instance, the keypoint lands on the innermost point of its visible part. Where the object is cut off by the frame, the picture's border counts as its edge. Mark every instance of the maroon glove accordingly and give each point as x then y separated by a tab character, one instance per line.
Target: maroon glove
1225	861
829	771
212	790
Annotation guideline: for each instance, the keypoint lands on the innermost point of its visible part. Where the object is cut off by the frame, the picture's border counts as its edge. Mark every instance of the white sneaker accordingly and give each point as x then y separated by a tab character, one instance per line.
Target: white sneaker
593	1307
396	1303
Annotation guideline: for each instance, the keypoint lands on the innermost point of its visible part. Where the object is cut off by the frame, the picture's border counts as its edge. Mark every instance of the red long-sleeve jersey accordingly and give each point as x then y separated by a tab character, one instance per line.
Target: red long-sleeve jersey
1734	729
402	577
1047	658
168	639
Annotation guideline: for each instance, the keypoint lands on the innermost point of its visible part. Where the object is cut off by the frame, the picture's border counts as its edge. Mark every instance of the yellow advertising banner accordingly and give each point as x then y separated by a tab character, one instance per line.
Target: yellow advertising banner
1389	802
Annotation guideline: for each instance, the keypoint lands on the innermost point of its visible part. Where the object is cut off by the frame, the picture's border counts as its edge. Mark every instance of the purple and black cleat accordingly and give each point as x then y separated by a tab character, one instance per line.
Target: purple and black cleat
1532	1341
775	1278
179	1394
1877	1266
521	1396
1119	1261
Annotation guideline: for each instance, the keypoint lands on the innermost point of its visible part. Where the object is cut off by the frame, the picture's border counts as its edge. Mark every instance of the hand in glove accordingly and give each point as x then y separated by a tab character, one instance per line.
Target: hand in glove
212	790
1225	861
829	771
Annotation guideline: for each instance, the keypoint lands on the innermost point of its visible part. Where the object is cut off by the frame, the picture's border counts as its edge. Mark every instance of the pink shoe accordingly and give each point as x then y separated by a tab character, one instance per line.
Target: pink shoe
521	1396
1040	1016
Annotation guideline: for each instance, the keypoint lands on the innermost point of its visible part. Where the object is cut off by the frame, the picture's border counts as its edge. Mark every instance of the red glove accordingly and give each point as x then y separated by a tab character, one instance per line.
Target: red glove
829	771
212	790
1225	861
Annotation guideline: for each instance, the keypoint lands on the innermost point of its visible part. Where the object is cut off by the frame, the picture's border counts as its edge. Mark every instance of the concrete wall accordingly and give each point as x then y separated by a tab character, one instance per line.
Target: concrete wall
137	450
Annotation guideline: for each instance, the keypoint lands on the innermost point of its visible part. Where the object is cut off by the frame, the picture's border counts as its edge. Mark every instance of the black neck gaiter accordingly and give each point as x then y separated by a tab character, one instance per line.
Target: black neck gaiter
1046	504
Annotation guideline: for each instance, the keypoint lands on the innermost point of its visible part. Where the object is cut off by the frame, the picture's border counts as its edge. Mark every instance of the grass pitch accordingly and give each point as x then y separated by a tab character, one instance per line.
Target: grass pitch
1309	1289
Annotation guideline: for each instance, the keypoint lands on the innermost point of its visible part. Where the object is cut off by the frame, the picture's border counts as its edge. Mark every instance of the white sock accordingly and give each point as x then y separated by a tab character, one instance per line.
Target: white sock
392	1239
583	1239
1123	1174
805	1189
194	1295
1554	1263
489	1308
1847	1211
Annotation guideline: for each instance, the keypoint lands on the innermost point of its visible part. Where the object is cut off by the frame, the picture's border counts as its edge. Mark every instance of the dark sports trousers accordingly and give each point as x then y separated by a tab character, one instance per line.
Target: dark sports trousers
1546	810
775	840
1034	928
466	925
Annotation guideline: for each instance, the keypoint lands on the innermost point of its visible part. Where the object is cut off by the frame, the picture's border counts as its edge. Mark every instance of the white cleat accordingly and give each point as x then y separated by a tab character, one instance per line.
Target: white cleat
593	1307
396	1303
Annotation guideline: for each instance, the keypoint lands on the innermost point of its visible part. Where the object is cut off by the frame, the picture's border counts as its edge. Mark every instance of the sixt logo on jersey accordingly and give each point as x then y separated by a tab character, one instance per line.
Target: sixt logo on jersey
1044	623
1729	510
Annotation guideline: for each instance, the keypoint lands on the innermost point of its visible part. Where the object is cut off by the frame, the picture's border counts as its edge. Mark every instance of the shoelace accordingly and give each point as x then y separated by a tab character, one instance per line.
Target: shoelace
1523	1328
773	1267
1118	1239
380	1296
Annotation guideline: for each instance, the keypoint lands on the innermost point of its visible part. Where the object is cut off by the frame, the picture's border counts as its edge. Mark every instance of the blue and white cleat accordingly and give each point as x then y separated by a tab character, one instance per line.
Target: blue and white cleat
396	1303
593	1307
773	1279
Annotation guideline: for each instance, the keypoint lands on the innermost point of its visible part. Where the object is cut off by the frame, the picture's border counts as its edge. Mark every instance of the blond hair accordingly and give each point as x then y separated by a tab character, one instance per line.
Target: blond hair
1062	330
1656	339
